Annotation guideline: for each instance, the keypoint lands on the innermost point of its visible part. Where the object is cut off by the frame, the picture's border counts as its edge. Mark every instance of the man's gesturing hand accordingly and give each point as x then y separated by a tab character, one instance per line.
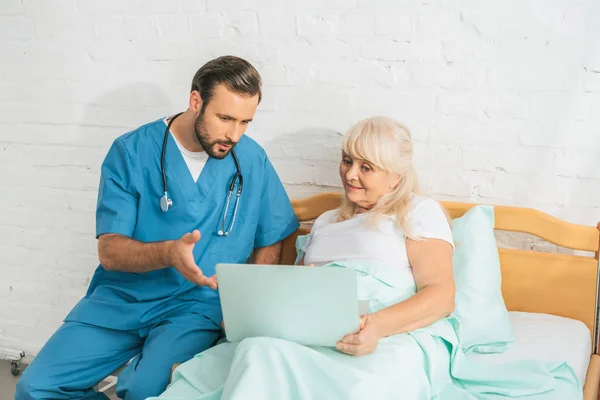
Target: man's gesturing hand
182	258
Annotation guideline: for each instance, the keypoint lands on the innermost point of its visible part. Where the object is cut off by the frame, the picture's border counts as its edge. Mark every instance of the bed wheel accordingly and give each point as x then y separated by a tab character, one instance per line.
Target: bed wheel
15	368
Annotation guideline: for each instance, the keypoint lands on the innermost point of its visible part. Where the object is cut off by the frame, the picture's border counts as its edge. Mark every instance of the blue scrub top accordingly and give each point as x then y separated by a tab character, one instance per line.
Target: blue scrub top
128	204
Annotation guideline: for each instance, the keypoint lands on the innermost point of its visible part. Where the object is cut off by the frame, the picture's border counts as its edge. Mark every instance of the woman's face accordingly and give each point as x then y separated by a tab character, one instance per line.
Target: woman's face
364	183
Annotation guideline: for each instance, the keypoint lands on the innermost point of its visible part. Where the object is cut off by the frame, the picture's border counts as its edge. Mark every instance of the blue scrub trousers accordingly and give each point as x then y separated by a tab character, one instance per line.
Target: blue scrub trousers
78	356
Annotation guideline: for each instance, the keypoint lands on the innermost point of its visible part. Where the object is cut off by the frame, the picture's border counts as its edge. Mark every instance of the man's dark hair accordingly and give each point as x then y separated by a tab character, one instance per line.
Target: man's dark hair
237	74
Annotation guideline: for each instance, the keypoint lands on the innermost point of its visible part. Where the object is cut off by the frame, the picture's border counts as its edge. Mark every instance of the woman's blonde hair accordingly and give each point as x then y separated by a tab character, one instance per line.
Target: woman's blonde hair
386	144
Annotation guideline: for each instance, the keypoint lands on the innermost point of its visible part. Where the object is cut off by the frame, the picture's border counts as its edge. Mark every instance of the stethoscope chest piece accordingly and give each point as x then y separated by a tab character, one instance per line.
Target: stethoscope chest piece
165	202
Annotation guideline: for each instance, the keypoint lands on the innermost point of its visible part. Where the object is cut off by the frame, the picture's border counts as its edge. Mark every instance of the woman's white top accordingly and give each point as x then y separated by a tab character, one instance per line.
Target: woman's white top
360	238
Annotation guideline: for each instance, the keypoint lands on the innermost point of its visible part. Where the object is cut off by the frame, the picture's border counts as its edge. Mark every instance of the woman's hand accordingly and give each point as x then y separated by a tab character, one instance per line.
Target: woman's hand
363	342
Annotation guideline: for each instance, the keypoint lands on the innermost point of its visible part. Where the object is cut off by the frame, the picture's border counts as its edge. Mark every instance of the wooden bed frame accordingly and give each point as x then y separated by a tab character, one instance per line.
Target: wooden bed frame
558	284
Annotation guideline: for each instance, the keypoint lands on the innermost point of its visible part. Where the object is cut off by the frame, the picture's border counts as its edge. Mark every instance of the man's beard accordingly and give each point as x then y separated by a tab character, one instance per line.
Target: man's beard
208	145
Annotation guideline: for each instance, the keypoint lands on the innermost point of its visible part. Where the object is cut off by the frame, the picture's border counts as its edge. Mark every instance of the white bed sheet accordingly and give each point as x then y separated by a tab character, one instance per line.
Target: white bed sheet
548	338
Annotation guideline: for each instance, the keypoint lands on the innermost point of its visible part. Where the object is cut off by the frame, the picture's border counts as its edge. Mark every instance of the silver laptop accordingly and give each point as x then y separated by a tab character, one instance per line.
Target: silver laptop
308	305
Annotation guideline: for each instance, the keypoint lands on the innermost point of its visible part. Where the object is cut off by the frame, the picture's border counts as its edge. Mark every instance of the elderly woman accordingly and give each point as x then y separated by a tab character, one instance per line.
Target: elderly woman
400	244
413	232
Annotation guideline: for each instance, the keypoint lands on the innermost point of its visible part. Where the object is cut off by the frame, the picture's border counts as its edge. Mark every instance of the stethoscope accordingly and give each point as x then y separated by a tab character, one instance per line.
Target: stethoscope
166	202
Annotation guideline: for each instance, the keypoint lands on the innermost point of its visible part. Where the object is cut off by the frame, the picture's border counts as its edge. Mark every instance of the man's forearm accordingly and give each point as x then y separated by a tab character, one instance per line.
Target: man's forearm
120	253
268	255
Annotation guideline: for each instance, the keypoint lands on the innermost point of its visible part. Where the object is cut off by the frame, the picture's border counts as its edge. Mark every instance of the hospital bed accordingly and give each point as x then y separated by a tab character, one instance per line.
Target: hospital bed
552	298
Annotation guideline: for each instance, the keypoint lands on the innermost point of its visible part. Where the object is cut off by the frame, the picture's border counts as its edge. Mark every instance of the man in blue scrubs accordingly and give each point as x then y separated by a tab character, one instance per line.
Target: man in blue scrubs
153	297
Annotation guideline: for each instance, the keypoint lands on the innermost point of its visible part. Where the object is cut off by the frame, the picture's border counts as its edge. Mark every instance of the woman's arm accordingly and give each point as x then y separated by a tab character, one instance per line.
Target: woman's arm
431	261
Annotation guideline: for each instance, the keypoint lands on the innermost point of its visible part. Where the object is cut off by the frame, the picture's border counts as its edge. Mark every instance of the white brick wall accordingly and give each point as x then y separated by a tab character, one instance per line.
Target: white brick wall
503	97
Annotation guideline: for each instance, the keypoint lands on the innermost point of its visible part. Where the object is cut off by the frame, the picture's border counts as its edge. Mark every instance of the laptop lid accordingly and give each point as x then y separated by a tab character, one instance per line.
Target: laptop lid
308	305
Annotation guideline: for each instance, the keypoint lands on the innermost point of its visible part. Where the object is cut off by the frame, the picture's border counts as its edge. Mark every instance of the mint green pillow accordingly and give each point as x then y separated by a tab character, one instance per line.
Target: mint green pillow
484	324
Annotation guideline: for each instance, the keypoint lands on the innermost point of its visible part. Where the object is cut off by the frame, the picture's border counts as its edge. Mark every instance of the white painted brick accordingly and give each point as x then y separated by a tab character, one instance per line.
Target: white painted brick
445	155
232	5
592	62
57	199
580	164
327	173
509	160
342	73
49	8
324	146
115	7
393	22
324	24
18	257
58	134
381	73
276	23
171	50
259	53
173	27
297	54
83	69
594	101
192	7
503	188
577	108
585	215
73	114
401	50
330	4
584	193
509	22
321	97
244	23
428	155
449	76
490	132
109	27
269	100
294	172
29	52
72	221
437	23
379	4
53	177
156	7
48	241
400	104
483	105
210	25
36	155
357	23
16	28
450	184
273	75
591	81
561	134
35	315
65	29
532	74
11	7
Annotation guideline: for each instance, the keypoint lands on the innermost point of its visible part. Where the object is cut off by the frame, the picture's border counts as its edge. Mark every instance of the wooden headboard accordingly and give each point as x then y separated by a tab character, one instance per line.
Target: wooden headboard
532	281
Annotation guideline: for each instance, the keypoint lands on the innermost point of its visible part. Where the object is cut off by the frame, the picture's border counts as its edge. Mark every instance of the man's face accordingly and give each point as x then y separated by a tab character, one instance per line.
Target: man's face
224	121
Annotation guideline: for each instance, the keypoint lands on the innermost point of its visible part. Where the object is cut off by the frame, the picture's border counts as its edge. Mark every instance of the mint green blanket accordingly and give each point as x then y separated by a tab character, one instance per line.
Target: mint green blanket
423	364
